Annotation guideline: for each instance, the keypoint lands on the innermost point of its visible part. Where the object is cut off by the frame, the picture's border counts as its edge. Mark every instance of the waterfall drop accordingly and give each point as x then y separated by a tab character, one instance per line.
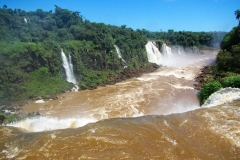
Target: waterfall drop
223	96
68	67
165	55
153	53
167	51
119	53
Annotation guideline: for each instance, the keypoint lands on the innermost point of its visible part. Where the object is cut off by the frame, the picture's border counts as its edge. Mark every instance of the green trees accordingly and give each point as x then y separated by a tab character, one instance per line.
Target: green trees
227	69
228	58
237	13
208	89
186	38
232	81
31	42
25	66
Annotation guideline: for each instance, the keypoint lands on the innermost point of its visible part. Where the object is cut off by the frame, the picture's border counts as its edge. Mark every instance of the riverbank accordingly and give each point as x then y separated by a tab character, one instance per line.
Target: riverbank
206	72
9	113
128	73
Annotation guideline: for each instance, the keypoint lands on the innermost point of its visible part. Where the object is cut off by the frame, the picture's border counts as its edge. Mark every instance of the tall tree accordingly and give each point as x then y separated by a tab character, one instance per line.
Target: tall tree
5	6
237	13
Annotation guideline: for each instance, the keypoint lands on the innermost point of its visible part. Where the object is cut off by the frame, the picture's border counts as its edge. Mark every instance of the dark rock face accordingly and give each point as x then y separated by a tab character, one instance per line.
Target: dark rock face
2	118
205	76
130	73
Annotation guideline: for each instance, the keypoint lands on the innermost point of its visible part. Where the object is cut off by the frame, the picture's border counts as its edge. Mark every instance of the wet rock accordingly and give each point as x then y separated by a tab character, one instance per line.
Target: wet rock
37	113
21	115
17	108
33	114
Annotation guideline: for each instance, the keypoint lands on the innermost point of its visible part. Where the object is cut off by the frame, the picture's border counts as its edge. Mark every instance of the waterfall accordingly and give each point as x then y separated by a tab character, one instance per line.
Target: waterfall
119	53
39	124
179	52
166	57
25	20
153	53
223	96
167	51
68	66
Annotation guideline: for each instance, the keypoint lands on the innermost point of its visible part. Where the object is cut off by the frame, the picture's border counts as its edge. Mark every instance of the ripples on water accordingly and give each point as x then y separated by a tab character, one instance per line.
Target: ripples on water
206	133
112	133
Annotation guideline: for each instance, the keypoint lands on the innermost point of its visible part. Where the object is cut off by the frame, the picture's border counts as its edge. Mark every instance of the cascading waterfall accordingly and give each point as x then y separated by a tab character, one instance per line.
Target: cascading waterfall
223	96
119	53
68	66
25	20
153	53
167	51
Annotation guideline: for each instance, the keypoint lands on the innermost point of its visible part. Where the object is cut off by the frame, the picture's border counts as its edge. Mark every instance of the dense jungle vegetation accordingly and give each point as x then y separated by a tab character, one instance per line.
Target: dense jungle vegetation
31	42
226	72
202	40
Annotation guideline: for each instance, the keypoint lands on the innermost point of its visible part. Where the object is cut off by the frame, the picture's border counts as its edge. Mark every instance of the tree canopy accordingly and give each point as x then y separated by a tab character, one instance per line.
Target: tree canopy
187	38
226	72
31	44
237	13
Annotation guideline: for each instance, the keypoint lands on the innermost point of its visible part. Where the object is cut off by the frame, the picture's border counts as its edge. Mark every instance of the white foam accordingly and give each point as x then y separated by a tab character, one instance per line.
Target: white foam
11	152
153	53
53	136
68	66
119	54
145	78
179	86
171	140
38	124
223	96
92	130
39	101
181	107
178	72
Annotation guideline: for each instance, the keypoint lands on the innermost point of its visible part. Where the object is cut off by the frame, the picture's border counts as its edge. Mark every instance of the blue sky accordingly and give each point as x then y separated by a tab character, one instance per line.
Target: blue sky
152	15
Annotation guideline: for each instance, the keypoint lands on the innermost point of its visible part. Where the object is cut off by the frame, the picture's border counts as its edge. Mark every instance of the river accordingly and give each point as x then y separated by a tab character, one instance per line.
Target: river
154	116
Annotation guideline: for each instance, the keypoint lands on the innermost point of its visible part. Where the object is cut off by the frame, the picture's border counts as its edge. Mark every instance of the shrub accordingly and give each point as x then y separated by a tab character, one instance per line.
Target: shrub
6	118
233	81
208	89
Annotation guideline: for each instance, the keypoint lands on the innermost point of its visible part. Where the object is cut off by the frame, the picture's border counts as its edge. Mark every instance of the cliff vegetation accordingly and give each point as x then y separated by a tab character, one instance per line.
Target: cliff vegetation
226	72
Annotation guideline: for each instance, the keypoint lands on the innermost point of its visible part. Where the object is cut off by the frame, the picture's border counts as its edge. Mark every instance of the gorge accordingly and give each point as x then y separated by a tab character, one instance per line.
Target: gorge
156	115
134	94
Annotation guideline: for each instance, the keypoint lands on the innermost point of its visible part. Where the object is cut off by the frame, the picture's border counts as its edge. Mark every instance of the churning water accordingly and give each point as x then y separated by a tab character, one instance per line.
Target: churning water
154	116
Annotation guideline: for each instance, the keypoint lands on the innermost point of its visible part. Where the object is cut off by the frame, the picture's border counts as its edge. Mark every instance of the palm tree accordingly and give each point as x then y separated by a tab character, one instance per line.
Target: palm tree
237	13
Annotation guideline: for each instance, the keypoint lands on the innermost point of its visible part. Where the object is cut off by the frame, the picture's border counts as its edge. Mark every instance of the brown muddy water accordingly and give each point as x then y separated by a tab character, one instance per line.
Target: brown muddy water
155	116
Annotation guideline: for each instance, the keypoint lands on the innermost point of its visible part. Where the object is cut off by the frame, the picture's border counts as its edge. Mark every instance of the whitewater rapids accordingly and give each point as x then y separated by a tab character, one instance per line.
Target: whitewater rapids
168	90
133	119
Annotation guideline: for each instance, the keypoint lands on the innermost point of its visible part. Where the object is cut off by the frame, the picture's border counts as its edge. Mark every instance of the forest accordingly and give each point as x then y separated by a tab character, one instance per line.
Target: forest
226	72
31	44
187	38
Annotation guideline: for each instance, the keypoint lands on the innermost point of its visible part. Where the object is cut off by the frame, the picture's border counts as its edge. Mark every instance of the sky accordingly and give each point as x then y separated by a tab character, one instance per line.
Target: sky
152	15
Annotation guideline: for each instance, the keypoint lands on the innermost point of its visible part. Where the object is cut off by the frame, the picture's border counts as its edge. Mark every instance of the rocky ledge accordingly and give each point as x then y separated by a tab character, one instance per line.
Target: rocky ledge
205	76
130	73
12	110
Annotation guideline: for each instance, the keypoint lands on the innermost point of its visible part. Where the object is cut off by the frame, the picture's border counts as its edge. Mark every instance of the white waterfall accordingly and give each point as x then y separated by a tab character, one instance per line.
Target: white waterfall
119	53
167	51
179	52
166	57
25	20
223	96
153	53
68	66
